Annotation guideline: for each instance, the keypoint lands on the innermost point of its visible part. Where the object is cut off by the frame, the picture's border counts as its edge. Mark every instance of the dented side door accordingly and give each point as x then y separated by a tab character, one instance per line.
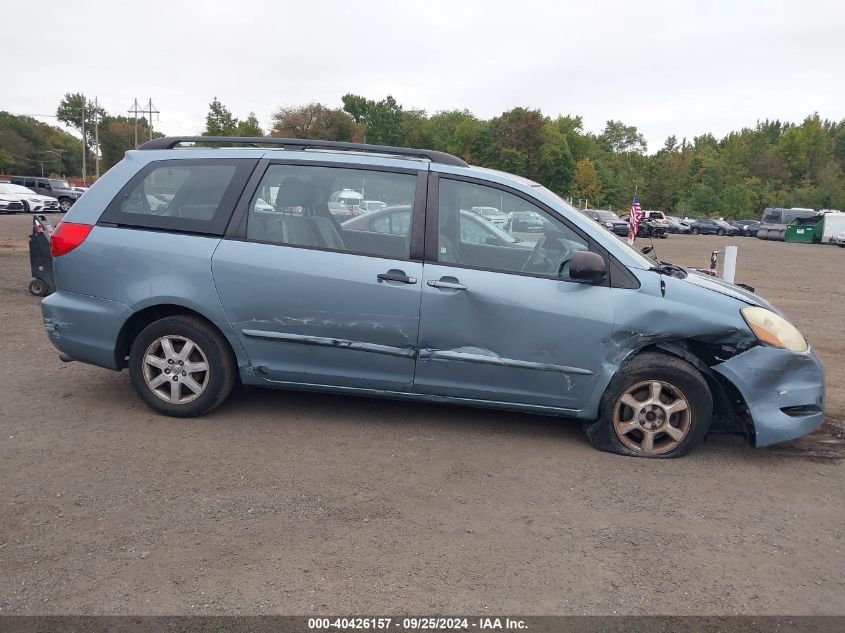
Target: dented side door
512	338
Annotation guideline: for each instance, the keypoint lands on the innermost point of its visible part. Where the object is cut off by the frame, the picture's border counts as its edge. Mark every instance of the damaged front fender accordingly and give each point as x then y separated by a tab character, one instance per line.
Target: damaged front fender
783	391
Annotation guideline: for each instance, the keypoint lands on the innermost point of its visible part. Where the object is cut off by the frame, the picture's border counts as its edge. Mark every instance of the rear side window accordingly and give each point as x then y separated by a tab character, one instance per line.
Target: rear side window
196	196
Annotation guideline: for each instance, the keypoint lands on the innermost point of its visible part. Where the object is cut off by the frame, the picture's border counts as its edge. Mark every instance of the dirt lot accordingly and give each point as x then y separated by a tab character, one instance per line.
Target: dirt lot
299	503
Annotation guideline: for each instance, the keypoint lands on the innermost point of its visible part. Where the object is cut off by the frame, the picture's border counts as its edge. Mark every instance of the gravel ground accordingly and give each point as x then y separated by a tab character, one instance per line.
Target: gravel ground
300	503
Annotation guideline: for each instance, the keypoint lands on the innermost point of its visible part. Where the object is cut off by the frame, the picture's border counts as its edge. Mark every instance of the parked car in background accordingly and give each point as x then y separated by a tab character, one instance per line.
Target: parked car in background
525	222
649	228
474	229
677	226
31	201
608	219
774	221
10	204
748	228
80	189
708	226
213	289
368	206
657	219
57	188
492	215
730	229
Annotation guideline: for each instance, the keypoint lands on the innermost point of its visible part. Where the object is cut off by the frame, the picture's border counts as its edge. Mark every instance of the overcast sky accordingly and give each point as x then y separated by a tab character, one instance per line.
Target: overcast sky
679	67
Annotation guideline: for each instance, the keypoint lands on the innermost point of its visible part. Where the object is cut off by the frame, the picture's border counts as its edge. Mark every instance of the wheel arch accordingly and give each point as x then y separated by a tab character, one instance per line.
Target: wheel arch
144	317
729	407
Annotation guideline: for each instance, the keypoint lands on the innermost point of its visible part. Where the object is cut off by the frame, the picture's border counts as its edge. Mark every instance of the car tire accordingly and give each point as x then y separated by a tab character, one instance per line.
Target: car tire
748	234
25	206
155	366
65	205
695	231
38	288
684	404
720	232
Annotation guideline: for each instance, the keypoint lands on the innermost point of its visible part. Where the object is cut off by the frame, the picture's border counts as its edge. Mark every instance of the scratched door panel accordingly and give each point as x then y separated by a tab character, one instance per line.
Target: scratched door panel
318	317
511	338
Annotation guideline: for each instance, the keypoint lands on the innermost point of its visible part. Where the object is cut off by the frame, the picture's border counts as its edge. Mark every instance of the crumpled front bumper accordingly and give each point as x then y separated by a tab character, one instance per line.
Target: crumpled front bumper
784	391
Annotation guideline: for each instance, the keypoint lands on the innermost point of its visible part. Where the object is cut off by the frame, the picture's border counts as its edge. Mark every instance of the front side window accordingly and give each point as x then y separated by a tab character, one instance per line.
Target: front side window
195	196
319	207
464	239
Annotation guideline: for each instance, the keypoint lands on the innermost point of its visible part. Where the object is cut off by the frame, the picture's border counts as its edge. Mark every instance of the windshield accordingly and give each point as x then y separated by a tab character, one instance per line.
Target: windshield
59	184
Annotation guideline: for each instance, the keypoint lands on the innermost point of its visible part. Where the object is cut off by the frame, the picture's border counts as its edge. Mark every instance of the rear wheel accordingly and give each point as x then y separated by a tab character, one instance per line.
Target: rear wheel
695	231
720	232
656	406
748	234
181	366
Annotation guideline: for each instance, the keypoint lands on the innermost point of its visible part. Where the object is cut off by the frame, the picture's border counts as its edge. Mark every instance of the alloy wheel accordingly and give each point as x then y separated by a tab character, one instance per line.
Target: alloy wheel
175	369
652	417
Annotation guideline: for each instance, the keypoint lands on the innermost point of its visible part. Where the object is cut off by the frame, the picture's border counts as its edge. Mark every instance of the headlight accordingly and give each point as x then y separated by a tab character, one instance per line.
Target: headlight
774	330
609	225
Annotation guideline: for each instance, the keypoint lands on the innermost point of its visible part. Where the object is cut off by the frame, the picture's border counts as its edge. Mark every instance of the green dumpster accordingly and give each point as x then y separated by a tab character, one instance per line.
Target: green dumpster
806	230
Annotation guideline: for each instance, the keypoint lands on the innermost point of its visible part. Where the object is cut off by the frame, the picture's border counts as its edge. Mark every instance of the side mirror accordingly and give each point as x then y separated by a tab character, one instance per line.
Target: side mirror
587	266
492	240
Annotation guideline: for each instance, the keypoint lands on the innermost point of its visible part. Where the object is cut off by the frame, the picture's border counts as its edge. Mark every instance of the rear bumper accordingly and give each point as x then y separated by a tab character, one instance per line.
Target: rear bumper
783	390
83	327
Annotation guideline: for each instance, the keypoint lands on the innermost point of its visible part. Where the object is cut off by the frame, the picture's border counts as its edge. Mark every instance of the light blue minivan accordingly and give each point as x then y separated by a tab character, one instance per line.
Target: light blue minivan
196	267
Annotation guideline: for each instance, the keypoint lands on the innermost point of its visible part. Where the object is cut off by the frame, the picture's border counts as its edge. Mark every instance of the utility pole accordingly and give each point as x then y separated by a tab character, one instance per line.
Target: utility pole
150	120
84	148
134	109
97	133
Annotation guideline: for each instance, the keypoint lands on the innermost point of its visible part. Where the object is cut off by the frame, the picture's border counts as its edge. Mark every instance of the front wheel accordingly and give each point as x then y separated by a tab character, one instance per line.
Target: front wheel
720	232
695	231
656	406
64	205
25	206
182	367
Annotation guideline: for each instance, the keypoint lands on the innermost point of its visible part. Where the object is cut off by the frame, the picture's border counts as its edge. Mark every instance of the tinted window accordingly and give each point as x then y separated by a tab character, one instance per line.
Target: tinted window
318	207
30	183
472	241
181	195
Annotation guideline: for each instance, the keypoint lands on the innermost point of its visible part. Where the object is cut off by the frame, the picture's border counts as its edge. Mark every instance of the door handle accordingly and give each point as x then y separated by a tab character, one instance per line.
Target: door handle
451	285
396	276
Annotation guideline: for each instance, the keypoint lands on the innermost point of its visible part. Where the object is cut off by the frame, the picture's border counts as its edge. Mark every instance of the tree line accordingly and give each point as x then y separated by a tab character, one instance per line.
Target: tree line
773	163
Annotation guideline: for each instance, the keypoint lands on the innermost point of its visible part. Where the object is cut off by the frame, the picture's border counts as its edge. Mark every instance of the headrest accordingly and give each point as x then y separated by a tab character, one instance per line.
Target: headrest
294	193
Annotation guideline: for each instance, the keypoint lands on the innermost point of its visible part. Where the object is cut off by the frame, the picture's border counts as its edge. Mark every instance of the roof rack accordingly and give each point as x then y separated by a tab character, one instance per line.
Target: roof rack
170	142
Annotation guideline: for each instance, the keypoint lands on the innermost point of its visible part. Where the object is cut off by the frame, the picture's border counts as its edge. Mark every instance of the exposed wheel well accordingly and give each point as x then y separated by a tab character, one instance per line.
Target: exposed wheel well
143	318
730	413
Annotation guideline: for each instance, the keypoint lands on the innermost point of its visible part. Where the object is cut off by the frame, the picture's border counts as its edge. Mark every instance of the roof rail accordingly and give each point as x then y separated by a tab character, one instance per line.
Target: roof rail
170	142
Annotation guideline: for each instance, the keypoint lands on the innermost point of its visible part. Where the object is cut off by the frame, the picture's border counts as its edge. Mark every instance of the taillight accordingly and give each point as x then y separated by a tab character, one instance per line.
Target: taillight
68	236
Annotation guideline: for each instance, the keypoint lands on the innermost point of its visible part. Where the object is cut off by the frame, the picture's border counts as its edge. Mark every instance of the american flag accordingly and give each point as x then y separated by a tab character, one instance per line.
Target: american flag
634	219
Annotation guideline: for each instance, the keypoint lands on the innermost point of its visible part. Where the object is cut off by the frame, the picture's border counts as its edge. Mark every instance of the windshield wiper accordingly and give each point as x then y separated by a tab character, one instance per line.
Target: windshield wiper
673	270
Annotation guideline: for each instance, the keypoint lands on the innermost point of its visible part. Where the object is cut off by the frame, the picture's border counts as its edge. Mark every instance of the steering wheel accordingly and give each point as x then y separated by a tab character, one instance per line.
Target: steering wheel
550	254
